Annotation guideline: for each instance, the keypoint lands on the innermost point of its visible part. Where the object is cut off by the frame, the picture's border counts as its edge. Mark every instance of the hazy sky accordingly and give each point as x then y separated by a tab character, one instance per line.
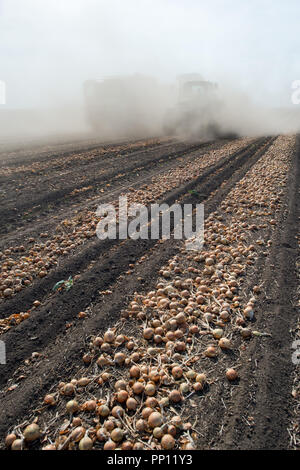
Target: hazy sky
49	47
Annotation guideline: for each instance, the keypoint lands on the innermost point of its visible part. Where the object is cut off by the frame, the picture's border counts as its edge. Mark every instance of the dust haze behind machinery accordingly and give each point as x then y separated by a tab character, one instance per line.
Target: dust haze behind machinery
48	49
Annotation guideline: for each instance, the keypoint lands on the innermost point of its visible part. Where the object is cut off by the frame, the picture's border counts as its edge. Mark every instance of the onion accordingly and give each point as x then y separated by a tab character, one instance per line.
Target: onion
164	402
127	445
120	339
180	346
90	405
76	422
172	430
135	372
49	447
122	396
10	438
49	400
117	435
138	388
120	385
249	313
158	433
184	387
211	352
155	419
110	445
102	435
191	374
231	374
97	342
141	425
148	333
17	444
138	446
102	361
189	446
109	425
103	411
69	389
109	336
117	411
246	333
177	372
225	316
119	358
72	406
131	404
217	333
225	343
150	389
83	382
77	434
146	412
201	378
175	396
32	432
151	402
198	387
177	421
154	375
194	329
168	442
86	443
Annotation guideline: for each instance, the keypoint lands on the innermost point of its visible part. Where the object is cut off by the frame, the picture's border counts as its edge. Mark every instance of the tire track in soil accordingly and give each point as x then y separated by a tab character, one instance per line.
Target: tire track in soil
265	392
63	351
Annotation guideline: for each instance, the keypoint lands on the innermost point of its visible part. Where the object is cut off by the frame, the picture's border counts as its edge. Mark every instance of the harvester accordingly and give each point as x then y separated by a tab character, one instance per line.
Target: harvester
197	108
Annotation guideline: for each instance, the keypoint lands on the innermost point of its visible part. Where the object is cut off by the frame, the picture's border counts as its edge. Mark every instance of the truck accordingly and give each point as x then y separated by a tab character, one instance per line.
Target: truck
128	106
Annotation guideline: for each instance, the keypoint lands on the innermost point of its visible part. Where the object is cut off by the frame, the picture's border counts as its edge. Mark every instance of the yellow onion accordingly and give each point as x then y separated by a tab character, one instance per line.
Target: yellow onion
103	411
110	445
231	374
150	389
131	404
109	336
72	406
32	432
140	425
117	435
86	443
155	419
10	438
77	434
138	388
211	352
122	396
49	400
17	444
168	442
225	343
175	396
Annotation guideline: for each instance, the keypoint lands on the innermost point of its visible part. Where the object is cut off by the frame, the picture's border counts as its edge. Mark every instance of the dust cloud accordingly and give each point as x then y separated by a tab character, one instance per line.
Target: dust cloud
109	68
